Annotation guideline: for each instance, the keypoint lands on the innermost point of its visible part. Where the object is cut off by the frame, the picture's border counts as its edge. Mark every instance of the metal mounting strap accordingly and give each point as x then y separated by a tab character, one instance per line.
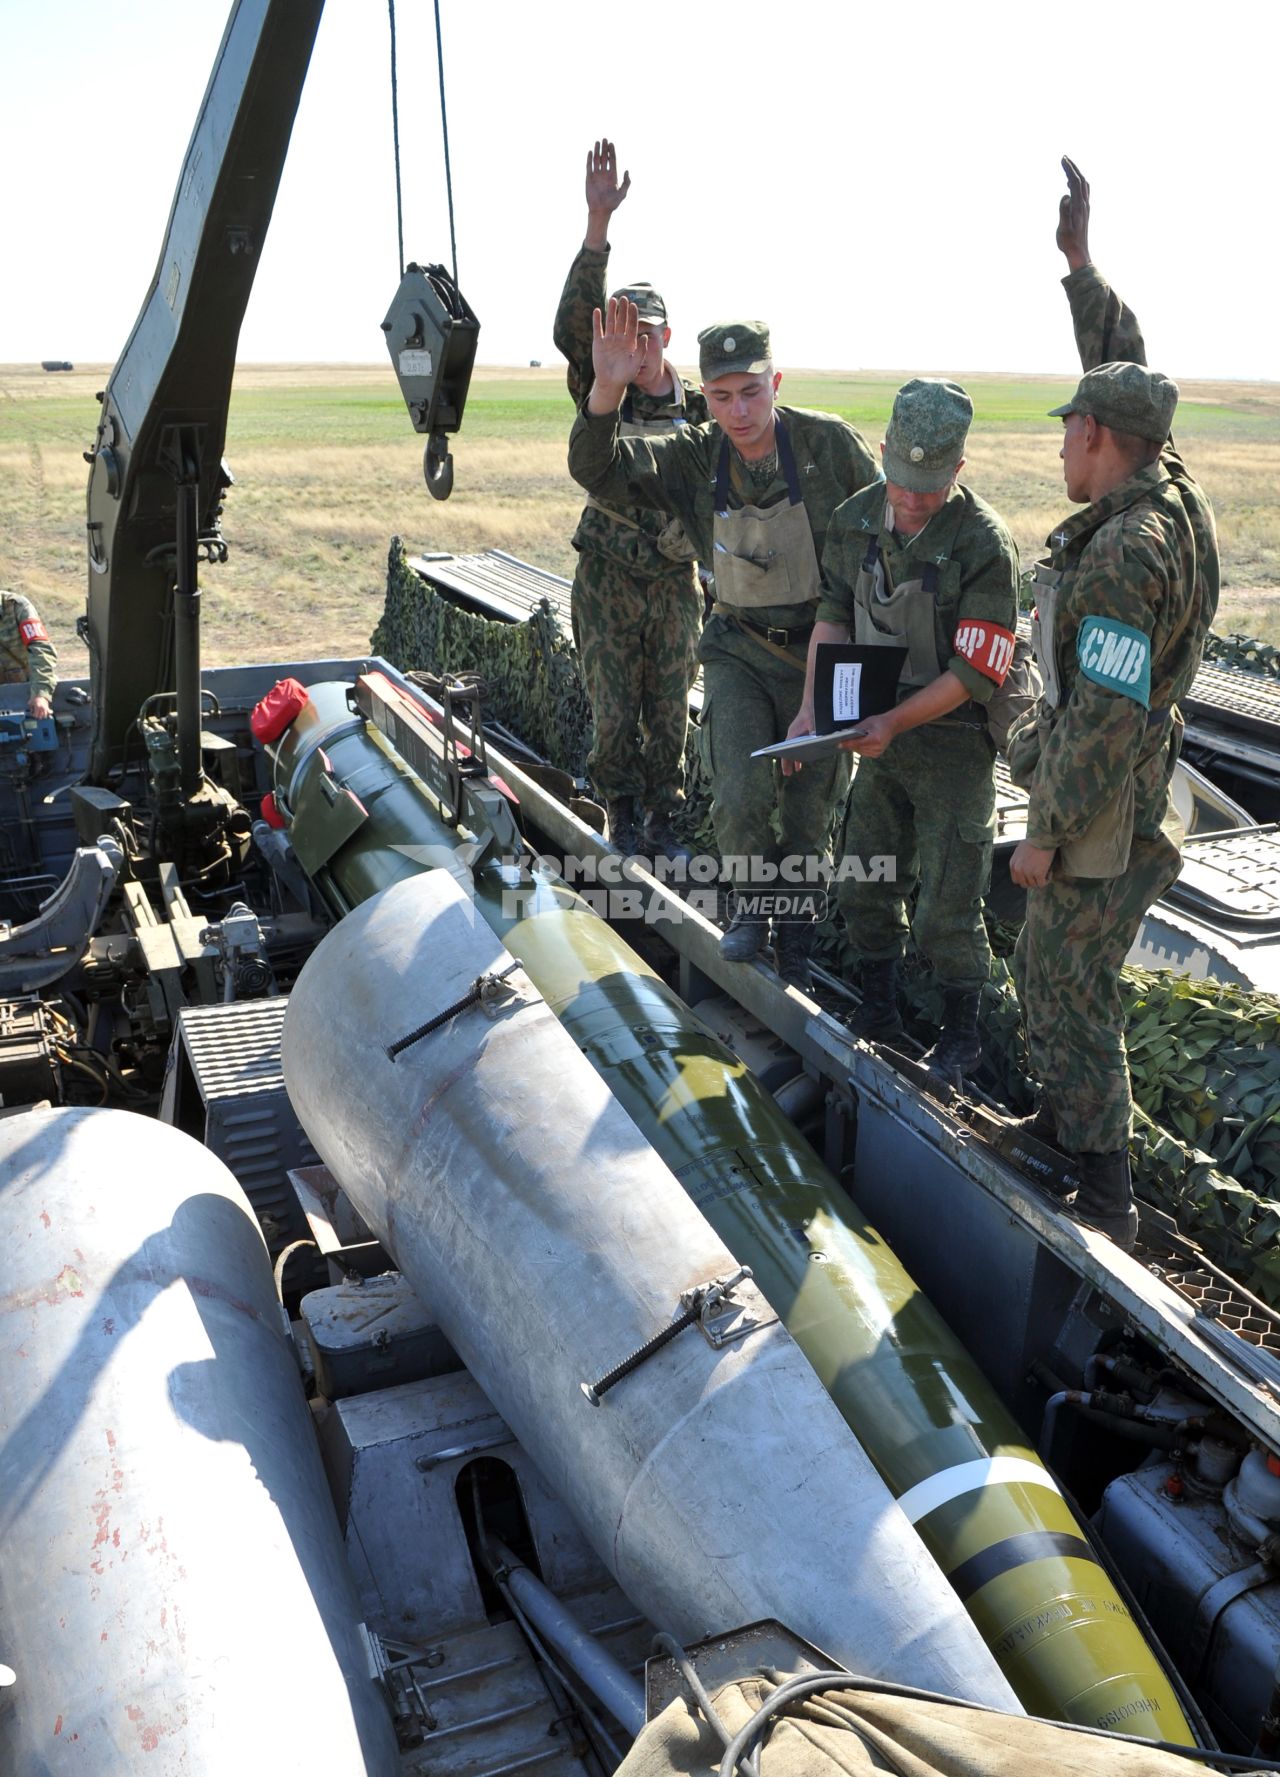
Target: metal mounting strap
485	989
698	1305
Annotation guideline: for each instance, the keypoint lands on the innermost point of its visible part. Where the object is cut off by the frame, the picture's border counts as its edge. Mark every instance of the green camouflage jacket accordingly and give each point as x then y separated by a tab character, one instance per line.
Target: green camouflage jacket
27	656
1138	595
1107	332
977	563
633	544
677	475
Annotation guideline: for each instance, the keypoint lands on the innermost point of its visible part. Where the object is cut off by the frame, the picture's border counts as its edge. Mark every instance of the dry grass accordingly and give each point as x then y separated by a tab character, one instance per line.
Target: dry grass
328	470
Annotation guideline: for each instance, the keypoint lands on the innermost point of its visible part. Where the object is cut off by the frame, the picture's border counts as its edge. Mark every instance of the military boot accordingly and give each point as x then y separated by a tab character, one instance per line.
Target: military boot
959	1048
624	834
1041	1125
745	937
791	952
660	839
878	1018
1105	1198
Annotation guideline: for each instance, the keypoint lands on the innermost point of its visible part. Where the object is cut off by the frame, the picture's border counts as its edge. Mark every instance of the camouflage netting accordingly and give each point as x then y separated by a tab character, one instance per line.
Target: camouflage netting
1205	1057
1205	1063
1245	652
533	683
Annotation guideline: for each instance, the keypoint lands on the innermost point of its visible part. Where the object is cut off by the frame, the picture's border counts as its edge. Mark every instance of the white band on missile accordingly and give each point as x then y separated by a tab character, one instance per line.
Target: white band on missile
990	1471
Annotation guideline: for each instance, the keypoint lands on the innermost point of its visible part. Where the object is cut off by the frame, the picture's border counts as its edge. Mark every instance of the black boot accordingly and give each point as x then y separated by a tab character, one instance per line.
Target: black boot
1041	1125
958	1050
745	937
660	839
791	952
1032	1144
878	1018
1105	1198
624	834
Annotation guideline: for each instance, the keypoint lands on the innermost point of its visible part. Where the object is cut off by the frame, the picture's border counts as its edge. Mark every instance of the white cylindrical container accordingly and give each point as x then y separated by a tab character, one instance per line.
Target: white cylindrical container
174	1597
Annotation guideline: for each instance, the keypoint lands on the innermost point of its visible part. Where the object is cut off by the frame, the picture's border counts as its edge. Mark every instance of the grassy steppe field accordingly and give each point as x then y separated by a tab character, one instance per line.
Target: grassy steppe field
328	469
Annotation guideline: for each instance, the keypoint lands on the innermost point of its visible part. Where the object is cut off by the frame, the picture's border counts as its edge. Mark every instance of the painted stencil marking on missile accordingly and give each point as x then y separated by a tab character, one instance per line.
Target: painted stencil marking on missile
359	818
519	1198
143	1504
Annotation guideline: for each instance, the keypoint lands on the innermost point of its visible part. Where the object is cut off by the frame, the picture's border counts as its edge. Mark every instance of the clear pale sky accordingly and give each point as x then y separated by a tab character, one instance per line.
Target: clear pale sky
879	183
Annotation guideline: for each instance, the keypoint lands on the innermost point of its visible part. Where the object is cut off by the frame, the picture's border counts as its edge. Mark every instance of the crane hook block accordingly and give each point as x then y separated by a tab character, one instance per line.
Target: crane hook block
431	336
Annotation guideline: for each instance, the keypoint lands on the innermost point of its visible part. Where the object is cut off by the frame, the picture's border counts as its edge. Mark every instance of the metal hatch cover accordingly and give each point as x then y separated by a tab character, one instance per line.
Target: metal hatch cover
1232	879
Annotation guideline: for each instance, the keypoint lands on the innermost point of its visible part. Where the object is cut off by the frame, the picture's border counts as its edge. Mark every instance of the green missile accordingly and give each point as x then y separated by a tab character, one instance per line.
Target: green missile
360	818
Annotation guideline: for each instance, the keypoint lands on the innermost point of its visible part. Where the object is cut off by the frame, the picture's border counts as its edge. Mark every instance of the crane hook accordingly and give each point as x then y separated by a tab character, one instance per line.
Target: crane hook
437	467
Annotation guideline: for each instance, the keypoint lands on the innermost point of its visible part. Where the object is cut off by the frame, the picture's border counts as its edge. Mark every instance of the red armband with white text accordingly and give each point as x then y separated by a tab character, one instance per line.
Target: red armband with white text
32	630
987	646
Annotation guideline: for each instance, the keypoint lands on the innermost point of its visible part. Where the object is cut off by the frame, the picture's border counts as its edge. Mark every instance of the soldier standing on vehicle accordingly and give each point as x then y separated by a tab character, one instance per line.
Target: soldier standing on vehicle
754	489
922	563
636	603
1124	604
27	656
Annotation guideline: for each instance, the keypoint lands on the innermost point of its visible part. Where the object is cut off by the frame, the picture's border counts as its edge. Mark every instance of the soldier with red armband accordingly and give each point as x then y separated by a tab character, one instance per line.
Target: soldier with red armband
27	656
920	562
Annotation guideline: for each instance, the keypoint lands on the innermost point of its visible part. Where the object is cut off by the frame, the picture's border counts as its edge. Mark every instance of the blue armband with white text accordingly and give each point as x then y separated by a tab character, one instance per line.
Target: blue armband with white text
1116	656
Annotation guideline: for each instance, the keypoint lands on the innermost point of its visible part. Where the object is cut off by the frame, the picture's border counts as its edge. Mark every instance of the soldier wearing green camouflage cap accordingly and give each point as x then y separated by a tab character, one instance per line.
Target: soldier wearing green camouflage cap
636	604
1126	398
754	490
1124	603
922	563
27	656
734	348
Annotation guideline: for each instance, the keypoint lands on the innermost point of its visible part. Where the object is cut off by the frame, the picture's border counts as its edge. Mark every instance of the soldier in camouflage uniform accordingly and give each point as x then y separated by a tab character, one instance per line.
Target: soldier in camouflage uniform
754	490
27	656
1124	604
922	563
636	603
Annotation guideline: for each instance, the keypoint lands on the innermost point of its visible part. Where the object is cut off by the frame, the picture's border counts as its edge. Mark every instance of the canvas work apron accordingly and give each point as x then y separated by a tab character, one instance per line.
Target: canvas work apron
898	616
764	555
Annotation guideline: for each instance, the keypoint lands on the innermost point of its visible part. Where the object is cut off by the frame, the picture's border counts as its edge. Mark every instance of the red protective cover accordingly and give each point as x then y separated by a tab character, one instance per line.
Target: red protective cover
271	810
282	705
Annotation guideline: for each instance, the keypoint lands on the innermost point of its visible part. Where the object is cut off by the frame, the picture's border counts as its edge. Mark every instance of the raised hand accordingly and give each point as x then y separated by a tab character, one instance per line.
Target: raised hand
619	352
1073	217
604	193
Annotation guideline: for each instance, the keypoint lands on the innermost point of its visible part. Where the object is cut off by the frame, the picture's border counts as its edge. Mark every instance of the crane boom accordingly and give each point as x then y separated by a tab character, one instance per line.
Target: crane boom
164	411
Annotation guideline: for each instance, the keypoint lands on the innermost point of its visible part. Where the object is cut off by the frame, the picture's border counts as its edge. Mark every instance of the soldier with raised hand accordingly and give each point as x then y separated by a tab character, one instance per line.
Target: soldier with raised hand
636	604
27	656
1124	603
754	489
922	563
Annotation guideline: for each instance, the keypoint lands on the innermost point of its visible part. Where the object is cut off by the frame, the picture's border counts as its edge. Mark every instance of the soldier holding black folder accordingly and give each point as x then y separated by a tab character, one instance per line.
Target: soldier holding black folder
922	563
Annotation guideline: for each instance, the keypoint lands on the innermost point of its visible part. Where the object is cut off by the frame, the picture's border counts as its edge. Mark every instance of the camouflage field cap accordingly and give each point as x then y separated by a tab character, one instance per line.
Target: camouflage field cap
652	308
1128	398
733	348
927	430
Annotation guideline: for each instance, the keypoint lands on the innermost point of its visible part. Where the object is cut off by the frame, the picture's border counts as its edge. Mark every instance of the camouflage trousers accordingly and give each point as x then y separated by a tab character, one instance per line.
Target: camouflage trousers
637	639
927	805
1067	970
751	697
